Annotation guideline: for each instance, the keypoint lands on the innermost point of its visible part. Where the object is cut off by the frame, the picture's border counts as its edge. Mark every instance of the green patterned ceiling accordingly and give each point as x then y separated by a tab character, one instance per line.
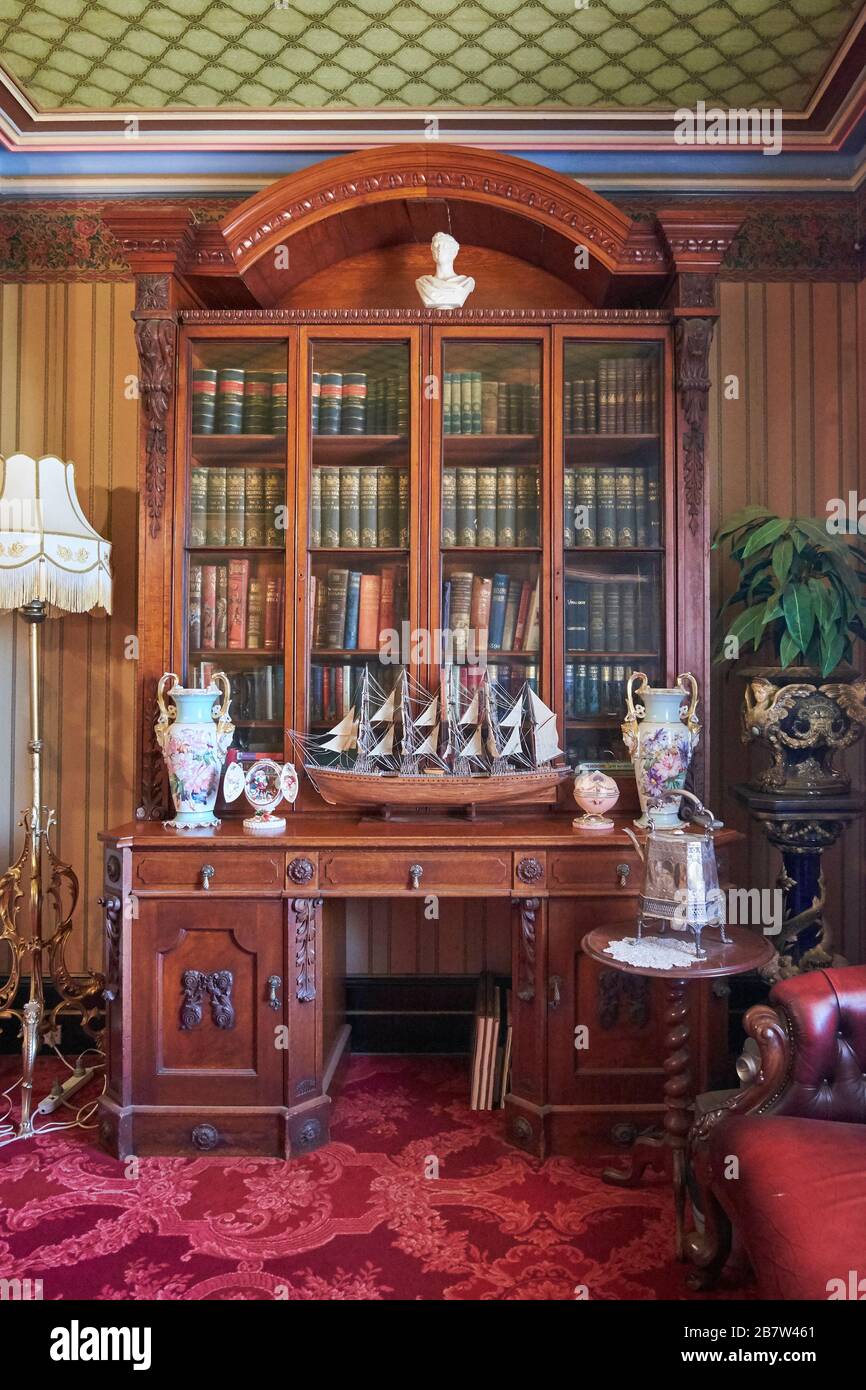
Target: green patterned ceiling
360	54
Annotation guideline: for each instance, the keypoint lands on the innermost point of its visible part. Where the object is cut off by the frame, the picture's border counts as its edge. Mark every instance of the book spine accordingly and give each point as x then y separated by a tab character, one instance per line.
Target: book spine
497	611
387	599
402	406
568	505
603	412
512	606
194	608
486	486
204	394
625	508
641	535
578	406
593	689
338	584
591	406
254	502
230	400
515	408
235	505
330	402
353	411
630	396
502	407
369	495
255	615
596	618
628	630
221	630
316	402
653	508
403	509
639	389
386	510
569	690
272	613
612	618
476	402
198	480
239	578
447	387
522	616
368	612
353	608
315	508
279	402
274	524
605	484
257	403
467	506
527	506
449	506
320	624
506	505
580	689
620	395
568	407
216	506
489	406
350	504
586	510
330	507
208	608
465	402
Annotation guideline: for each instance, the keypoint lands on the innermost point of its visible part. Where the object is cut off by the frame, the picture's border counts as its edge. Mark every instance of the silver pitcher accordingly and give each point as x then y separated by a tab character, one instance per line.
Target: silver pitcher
681	877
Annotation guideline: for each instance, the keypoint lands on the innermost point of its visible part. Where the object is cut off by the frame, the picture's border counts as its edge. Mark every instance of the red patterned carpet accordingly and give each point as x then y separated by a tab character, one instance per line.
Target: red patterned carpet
357	1220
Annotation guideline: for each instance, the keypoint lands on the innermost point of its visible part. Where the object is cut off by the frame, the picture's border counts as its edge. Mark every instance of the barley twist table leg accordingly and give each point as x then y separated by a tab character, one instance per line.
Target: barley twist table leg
678	1096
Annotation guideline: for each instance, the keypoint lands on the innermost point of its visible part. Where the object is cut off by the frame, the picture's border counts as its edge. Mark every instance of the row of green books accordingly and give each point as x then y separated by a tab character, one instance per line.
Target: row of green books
238	400
611	506
353	403
490	506
363	508
611	613
475	404
236	506
593	688
622	398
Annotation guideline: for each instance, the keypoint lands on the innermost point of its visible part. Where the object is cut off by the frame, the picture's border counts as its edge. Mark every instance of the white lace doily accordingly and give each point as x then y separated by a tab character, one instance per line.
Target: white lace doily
652	952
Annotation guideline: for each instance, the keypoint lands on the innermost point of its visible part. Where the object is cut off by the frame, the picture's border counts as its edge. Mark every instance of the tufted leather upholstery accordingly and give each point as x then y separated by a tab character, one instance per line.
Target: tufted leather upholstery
825	1011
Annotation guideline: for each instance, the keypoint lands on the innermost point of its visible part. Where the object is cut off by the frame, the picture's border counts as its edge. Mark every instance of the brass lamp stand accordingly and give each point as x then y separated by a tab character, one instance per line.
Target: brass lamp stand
37	499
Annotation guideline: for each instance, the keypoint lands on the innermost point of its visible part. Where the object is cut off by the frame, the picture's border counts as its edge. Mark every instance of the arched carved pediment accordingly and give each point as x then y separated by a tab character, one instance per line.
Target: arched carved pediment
346	208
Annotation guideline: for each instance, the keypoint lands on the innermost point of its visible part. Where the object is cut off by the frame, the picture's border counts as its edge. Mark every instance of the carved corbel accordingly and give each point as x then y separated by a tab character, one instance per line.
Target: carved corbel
528	908
693	338
156	342
305	911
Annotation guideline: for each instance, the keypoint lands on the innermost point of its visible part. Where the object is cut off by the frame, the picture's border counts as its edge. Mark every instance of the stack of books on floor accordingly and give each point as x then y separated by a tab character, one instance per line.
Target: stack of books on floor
356	403
350	609
491	1046
364	508
490	613
233	610
473	404
621	398
491	506
611	506
236	506
238	400
610	612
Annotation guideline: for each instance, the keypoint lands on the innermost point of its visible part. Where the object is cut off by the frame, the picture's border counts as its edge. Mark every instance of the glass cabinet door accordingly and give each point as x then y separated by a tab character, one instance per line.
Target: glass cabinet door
491	514
613	540
358	529
236	530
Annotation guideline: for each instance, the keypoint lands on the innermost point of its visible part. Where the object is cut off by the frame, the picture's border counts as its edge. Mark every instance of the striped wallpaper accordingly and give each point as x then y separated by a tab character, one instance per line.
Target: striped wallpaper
791	440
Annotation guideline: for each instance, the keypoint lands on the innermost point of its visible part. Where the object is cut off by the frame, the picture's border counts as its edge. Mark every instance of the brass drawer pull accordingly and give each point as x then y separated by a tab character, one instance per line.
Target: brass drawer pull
622	873
416	873
554	988
274	984
207	873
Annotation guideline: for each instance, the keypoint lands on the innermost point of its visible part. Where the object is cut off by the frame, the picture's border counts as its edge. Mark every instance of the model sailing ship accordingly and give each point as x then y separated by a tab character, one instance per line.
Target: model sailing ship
407	747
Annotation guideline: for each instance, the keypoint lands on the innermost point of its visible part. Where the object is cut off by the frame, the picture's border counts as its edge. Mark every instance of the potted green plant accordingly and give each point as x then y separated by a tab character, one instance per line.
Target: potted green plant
802	606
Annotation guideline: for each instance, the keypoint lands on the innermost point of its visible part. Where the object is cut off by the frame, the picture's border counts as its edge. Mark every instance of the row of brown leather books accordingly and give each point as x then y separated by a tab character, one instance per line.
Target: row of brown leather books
622	398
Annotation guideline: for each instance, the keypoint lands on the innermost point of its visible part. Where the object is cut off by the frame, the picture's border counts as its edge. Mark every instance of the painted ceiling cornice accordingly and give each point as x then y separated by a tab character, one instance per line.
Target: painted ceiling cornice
137	83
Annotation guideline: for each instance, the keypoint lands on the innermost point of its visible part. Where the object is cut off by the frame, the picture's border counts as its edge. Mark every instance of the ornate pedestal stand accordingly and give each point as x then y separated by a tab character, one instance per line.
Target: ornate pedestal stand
801	828
745	951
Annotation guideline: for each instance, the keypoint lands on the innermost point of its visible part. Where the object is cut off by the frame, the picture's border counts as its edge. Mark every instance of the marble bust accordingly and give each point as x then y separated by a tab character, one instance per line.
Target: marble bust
444	290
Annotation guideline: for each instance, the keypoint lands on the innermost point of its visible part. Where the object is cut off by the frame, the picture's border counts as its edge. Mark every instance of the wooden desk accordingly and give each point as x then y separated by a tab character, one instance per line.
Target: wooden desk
225	959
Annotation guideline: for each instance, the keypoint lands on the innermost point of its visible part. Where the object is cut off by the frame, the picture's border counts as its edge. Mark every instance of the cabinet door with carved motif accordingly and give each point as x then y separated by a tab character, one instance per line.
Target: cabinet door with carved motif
208	1011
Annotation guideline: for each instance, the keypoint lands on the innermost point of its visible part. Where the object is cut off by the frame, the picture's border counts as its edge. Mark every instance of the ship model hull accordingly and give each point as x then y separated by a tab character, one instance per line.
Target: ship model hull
342	787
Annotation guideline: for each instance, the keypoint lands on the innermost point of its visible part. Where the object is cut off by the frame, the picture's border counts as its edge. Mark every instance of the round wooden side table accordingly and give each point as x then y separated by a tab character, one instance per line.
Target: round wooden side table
745	951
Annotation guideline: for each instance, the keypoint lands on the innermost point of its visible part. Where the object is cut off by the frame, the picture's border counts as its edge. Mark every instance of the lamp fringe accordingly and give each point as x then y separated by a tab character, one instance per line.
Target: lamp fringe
64	590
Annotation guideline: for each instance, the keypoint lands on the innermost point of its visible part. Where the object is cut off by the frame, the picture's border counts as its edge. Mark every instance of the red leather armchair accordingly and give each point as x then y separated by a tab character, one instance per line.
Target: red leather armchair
783	1163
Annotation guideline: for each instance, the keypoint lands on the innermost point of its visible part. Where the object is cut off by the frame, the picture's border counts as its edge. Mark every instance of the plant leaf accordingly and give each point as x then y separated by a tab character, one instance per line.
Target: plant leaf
832	646
783	554
788	649
752	512
765	535
799	614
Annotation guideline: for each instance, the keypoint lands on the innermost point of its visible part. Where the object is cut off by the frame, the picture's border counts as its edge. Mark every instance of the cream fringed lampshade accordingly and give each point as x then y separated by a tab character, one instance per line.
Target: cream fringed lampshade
49	552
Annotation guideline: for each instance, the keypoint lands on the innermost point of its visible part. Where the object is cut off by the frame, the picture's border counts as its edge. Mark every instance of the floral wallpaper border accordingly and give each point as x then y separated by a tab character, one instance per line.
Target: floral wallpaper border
781	239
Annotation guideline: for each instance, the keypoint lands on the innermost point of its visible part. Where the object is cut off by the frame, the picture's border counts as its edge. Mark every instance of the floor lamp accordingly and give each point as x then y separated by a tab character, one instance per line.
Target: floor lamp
51	562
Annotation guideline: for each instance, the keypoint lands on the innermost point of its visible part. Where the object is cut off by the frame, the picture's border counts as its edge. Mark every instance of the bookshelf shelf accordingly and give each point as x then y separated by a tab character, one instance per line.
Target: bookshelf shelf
362	551
344	654
505	551
236	654
240	449
239	550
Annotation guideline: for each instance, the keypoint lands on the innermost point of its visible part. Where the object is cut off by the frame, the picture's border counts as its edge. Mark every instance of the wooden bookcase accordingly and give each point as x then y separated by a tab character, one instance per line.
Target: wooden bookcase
212	297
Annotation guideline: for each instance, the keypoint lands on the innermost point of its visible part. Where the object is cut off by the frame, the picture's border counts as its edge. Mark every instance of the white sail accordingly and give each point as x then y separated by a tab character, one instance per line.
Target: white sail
385	713
470	716
428	747
514	718
346	725
538	710
344	742
385	746
547	741
473	747
513	746
430	716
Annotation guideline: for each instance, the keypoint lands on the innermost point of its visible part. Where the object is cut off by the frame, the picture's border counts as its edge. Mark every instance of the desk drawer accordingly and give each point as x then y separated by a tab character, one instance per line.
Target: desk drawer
388	872
232	869
594	870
